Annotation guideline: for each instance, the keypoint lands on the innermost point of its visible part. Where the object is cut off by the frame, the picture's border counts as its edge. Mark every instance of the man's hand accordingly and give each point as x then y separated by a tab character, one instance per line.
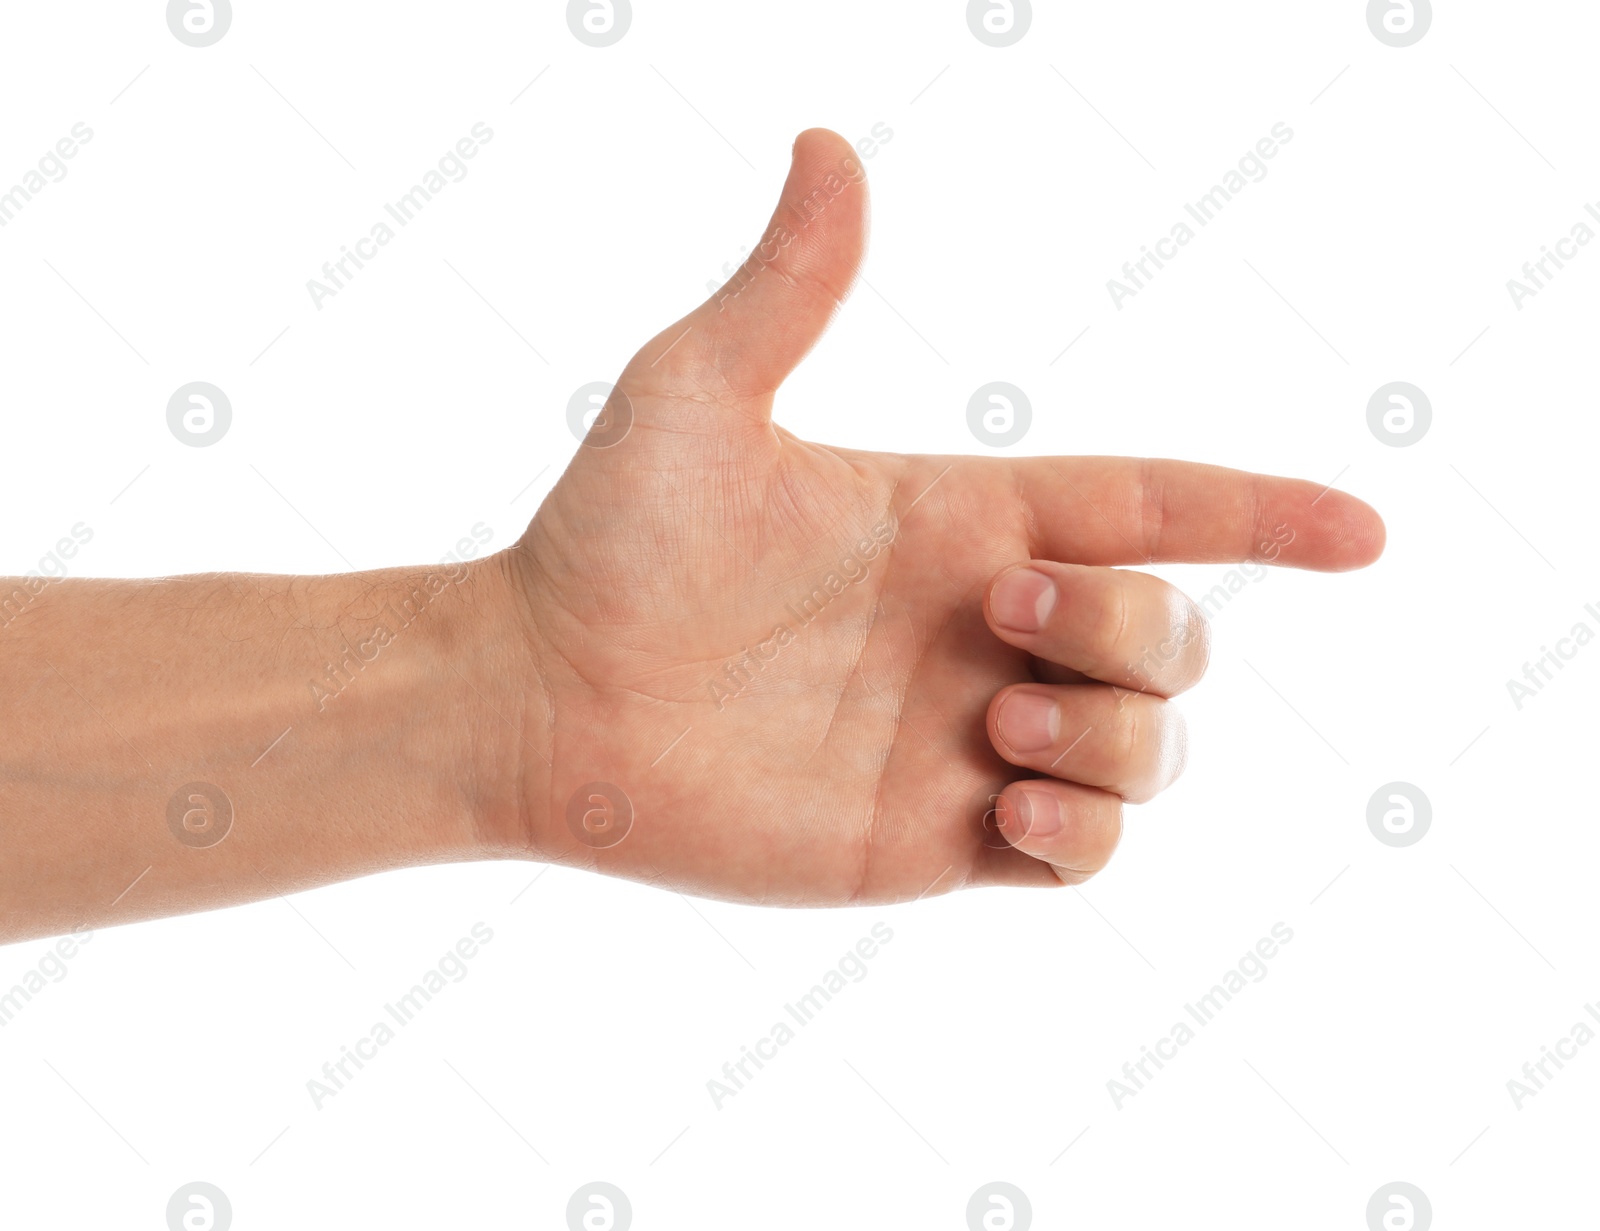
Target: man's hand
764	669
721	659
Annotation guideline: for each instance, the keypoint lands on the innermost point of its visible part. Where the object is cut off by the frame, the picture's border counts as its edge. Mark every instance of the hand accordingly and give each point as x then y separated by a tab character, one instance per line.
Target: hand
824	676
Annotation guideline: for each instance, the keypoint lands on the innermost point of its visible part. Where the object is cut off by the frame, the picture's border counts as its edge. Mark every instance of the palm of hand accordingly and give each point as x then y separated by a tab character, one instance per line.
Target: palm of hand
785	663
777	652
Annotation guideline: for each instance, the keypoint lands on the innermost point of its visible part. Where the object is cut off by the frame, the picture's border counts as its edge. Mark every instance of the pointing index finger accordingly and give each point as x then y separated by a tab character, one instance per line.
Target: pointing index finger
1123	510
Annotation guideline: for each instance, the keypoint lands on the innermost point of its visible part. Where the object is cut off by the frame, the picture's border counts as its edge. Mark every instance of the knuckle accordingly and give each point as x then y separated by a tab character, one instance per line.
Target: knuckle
1103	833
1109	629
1122	743
1180	659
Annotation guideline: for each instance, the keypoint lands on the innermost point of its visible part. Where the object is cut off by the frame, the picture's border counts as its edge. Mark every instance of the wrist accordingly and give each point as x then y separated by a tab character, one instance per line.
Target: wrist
510	708
411	694
420	687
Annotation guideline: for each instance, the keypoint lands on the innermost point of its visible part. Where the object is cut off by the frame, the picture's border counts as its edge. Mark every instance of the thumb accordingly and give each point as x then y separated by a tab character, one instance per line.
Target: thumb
744	340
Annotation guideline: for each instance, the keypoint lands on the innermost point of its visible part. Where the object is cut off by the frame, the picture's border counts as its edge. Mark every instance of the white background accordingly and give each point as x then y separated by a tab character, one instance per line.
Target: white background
979	1045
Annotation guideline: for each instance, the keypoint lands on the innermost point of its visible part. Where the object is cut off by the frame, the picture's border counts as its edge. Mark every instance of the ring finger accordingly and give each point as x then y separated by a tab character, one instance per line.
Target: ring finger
1129	743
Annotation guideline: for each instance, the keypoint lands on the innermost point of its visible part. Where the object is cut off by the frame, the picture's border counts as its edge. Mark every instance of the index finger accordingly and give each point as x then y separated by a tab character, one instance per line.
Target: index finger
1128	510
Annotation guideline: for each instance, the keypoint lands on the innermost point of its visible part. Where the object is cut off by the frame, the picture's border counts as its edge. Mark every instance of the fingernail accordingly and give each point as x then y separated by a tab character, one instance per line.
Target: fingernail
1028	721
1023	600
1041	813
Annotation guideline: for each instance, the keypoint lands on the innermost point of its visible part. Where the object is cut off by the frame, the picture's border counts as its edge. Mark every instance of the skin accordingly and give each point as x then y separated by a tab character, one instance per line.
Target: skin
805	675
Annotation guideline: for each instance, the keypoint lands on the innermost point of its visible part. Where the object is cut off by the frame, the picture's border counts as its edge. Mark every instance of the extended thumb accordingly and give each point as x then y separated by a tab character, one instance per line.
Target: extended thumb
754	331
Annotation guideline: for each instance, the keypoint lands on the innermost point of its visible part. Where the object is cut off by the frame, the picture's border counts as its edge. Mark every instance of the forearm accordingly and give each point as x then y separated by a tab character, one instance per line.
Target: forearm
349	724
